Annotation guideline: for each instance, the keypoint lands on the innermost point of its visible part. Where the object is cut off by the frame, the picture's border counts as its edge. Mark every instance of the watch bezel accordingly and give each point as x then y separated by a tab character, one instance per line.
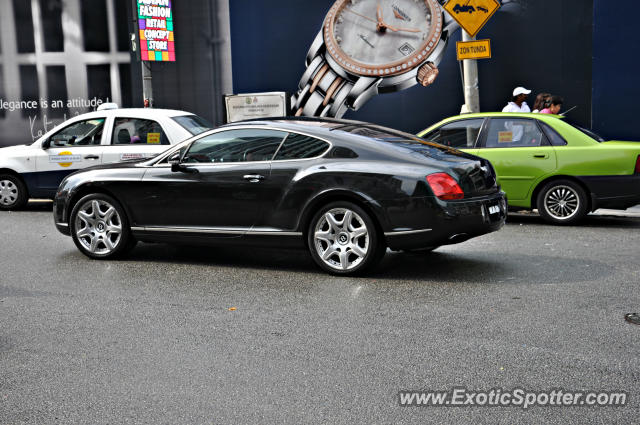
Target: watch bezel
398	67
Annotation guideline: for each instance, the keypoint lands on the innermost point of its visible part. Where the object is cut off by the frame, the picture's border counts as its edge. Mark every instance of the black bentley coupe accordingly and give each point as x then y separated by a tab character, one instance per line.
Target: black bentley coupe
346	190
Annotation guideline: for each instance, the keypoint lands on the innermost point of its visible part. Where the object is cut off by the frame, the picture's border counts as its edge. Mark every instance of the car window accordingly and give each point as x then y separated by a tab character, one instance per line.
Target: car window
459	134
82	133
299	146
235	146
554	138
136	131
193	124
514	133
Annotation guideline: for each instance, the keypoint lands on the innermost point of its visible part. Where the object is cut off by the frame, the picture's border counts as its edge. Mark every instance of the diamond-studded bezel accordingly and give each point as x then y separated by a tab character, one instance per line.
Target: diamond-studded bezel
394	68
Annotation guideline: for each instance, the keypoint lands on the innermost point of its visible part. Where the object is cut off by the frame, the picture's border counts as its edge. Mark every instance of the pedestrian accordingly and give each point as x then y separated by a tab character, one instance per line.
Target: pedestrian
541	102
555	105
518	101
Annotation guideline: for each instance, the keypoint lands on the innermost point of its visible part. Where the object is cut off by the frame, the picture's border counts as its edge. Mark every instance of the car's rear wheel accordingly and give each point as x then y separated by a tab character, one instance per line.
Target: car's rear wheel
99	227
13	193
562	202
344	240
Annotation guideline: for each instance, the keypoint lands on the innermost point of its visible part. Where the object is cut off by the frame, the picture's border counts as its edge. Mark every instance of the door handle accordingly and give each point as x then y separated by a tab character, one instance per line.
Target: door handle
541	155
92	157
254	178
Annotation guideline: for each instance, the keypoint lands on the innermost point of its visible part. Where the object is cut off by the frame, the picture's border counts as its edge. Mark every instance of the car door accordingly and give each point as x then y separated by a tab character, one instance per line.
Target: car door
219	190
460	134
74	147
134	138
520	153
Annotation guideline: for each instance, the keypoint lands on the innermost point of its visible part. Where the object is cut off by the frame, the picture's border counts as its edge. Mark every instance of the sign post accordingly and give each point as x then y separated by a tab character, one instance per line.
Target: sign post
155	32
472	15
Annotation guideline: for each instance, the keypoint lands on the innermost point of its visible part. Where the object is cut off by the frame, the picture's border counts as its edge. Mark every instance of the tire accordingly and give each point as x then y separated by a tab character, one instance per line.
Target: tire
562	202
100	228
13	193
344	240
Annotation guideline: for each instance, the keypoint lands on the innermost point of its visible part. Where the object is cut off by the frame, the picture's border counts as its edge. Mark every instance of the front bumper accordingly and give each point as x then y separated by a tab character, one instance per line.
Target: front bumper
445	223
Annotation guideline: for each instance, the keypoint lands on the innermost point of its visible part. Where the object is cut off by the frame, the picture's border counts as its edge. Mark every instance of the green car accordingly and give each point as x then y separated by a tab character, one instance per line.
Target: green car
546	163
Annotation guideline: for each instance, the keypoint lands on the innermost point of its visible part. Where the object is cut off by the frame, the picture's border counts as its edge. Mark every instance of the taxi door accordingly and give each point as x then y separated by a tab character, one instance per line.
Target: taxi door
131	138
520	153
76	146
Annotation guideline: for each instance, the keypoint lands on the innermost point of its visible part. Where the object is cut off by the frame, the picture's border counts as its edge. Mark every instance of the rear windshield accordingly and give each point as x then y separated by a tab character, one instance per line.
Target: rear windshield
403	141
193	124
589	133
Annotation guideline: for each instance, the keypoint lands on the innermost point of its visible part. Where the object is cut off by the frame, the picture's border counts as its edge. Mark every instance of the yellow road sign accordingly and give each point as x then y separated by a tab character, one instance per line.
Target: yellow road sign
472	15
477	49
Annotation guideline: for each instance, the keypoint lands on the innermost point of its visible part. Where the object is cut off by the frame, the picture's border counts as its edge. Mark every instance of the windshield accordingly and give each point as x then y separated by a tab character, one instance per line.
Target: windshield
401	140
193	124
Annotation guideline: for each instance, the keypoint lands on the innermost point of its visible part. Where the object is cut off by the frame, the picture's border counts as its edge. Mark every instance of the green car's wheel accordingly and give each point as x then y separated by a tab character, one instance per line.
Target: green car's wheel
562	202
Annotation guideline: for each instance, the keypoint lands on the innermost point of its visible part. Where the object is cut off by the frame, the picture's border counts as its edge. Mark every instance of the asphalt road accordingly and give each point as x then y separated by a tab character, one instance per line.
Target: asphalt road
174	335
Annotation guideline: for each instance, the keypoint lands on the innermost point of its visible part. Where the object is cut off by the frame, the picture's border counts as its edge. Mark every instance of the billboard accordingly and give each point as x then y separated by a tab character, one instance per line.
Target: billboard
155	25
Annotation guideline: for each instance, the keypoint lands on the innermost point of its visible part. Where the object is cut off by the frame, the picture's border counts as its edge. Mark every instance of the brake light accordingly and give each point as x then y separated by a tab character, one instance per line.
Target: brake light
445	187
638	165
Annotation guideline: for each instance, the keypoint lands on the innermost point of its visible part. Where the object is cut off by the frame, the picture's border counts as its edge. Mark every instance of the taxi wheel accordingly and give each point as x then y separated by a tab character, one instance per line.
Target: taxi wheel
100	228
562	202
13	193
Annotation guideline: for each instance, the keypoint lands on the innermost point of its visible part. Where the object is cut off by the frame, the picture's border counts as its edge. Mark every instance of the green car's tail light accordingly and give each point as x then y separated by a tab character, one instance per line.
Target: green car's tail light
445	187
638	165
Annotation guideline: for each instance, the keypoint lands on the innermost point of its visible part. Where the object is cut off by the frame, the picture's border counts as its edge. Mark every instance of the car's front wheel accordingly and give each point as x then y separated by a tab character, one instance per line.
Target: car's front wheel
562	202
344	240
13	193
99	227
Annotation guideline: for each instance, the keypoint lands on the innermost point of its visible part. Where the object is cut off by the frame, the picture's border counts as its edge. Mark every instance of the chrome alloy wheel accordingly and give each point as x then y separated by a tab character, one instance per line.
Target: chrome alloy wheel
8	192
341	239
98	227
561	202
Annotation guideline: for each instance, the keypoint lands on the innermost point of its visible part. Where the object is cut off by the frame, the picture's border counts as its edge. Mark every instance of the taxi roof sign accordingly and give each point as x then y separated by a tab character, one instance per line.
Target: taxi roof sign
472	15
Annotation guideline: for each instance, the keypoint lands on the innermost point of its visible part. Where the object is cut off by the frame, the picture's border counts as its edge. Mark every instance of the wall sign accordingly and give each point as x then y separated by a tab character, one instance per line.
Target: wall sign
155	24
255	105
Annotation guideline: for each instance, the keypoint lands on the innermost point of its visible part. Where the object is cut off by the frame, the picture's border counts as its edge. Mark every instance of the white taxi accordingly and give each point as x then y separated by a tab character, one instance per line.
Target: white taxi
105	136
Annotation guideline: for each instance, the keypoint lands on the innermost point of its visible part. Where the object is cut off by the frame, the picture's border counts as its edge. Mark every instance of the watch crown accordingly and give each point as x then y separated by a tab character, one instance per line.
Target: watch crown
427	74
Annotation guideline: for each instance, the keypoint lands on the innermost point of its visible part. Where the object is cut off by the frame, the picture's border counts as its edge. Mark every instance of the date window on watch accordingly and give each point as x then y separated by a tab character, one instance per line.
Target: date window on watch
406	49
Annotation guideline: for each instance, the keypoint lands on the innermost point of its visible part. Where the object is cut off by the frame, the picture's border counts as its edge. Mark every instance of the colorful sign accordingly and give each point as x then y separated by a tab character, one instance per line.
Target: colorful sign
472	15
65	159
479	49
153	138
155	23
505	137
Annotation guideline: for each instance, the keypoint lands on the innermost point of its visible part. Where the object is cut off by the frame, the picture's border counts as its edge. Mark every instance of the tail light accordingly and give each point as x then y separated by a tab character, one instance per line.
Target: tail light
638	165
445	187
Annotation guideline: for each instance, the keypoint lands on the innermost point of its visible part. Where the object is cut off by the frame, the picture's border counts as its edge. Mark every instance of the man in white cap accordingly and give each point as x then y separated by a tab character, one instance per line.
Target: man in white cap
519	101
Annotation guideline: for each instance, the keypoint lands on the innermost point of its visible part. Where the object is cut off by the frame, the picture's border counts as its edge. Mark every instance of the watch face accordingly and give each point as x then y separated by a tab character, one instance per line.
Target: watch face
382	37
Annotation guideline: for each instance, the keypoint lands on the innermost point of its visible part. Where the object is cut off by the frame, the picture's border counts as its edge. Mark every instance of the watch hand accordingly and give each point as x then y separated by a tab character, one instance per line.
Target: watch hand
362	16
394	29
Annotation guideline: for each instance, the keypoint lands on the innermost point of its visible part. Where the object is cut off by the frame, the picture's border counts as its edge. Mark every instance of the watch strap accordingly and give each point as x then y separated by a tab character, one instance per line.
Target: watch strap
321	91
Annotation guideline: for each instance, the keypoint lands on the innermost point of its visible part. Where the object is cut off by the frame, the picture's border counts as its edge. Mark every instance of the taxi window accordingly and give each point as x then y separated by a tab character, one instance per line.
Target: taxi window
82	133
136	131
514	133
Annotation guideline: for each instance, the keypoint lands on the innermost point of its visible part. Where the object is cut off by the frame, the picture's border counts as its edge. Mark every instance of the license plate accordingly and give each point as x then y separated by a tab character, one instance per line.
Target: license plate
494	209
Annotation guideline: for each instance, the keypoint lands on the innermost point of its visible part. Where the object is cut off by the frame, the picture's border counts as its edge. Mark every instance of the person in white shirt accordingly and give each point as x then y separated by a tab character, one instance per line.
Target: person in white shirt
518	104
519	101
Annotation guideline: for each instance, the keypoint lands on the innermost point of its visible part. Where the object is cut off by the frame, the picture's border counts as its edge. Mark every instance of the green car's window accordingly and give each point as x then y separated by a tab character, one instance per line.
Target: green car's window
554	138
514	133
235	146
460	134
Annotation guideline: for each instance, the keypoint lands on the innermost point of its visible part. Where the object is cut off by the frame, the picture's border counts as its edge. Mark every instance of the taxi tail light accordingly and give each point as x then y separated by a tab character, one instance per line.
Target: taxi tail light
445	187
638	165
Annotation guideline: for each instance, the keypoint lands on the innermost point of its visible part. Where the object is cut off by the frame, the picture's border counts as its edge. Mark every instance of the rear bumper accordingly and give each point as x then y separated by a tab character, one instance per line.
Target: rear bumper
445	223
614	192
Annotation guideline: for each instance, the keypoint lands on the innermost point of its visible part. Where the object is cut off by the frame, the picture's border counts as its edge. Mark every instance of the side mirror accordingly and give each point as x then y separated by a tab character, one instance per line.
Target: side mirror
178	167
46	144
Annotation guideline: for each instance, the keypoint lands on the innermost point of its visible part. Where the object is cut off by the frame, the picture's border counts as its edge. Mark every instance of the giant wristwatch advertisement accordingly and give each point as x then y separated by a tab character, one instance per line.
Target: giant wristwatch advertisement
367	47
